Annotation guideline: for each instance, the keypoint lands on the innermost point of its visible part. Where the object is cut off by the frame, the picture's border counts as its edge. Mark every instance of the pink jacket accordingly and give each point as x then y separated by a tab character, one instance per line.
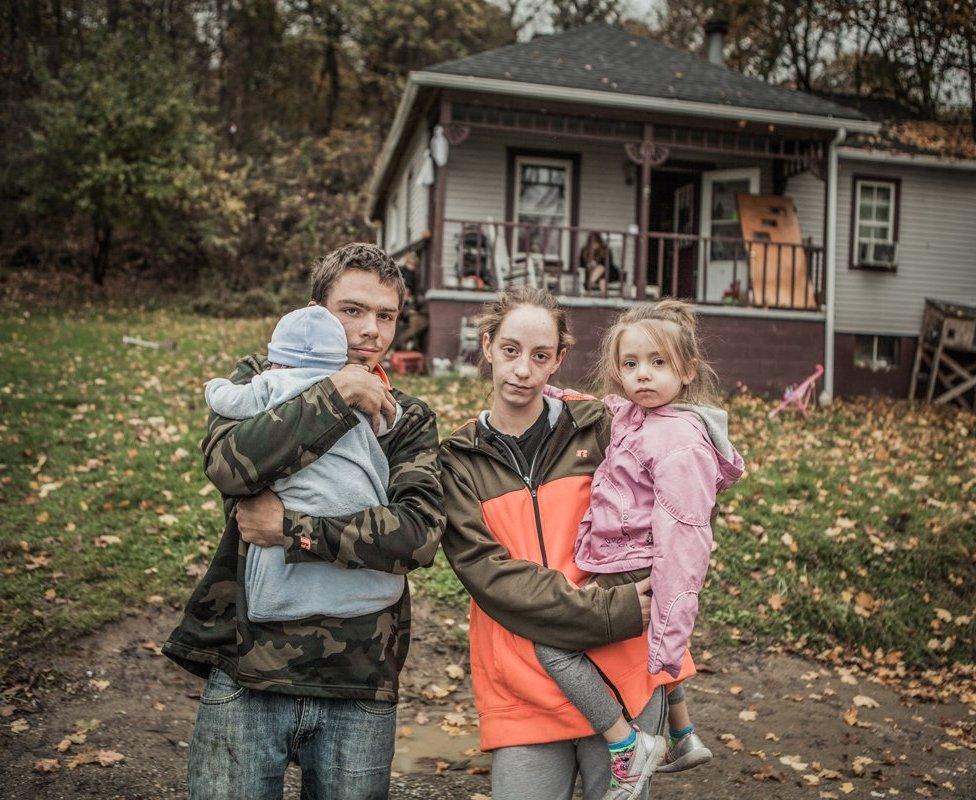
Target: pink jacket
650	506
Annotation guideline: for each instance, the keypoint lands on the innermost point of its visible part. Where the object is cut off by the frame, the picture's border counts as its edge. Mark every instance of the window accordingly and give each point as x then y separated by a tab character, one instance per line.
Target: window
542	203
875	224
876	353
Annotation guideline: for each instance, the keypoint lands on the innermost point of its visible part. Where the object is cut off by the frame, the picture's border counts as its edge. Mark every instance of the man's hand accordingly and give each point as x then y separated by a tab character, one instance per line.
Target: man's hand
643	588
361	389
261	519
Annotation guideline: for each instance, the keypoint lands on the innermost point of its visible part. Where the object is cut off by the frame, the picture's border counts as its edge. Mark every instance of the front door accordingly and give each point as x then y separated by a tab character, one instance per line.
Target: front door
722	261
542	207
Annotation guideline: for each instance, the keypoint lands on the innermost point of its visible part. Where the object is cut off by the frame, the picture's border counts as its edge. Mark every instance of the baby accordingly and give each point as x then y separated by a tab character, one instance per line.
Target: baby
307	346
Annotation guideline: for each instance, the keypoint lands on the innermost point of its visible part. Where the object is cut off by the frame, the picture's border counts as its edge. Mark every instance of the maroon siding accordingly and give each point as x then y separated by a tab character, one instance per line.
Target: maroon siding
763	354
852	380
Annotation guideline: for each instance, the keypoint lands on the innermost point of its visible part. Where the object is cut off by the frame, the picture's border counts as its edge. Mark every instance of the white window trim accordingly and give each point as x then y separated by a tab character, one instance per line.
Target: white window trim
752	174
565	163
875	365
859	184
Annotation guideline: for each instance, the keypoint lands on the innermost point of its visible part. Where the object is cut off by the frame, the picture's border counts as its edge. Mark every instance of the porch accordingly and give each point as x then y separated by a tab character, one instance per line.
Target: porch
577	262
604	206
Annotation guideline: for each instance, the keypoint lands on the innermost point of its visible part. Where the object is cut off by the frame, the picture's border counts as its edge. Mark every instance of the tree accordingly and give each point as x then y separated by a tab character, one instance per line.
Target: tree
117	145
394	37
567	14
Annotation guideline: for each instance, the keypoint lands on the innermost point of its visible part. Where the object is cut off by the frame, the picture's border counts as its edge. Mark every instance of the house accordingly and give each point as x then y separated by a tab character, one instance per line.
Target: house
616	170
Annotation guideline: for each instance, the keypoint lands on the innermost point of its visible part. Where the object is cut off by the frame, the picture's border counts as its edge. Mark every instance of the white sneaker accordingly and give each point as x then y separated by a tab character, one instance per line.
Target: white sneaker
632	769
688	752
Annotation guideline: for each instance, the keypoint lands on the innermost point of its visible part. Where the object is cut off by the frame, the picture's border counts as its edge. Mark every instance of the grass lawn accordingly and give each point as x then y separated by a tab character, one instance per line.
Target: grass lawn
856	527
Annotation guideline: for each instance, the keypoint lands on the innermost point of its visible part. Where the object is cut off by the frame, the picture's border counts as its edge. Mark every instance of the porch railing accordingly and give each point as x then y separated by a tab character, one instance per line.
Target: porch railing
577	261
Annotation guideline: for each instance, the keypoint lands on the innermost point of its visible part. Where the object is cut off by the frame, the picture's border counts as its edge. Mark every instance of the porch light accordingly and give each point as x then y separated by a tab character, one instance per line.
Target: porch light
439	146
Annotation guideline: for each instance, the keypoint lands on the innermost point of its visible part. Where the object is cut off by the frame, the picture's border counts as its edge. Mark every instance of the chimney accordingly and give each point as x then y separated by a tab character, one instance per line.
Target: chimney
715	30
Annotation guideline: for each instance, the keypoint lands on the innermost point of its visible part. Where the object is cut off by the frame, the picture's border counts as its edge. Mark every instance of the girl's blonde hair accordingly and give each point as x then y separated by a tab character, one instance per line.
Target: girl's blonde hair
494	313
672	328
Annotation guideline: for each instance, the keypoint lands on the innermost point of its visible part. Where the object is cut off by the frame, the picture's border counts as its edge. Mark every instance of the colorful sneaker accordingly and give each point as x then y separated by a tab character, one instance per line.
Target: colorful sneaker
687	752
632	769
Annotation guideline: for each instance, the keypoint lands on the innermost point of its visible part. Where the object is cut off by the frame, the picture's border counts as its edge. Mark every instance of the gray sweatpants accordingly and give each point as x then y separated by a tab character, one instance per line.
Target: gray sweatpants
549	771
582	684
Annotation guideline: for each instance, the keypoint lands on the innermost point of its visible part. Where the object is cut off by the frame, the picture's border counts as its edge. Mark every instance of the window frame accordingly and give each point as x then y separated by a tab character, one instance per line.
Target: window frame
857	181
514	155
874	365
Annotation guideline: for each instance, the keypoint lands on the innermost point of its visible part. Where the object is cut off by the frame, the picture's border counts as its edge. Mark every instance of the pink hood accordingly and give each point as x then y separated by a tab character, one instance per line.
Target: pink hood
651	506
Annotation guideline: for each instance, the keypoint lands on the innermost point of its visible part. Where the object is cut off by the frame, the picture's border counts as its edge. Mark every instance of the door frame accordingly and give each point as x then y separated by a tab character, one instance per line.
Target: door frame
708	178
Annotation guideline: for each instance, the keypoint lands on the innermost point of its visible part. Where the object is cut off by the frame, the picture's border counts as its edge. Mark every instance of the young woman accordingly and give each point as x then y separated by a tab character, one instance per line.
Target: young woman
517	484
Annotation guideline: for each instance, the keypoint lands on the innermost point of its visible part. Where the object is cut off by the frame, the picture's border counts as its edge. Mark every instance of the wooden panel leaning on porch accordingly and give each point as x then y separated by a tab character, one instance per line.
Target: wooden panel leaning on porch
777	261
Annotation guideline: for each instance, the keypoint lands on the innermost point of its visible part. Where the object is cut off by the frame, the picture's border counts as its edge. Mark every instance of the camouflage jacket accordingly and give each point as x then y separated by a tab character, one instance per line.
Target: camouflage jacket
358	657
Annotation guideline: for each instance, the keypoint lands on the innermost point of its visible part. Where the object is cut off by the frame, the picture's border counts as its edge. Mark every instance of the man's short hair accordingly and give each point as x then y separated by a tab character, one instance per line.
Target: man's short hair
327	269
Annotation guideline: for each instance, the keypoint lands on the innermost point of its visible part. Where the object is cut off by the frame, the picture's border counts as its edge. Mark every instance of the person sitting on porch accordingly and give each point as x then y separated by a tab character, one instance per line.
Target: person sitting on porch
597	259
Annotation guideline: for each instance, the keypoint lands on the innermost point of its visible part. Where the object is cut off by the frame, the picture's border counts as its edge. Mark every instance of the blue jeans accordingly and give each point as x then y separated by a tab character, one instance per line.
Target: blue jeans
244	739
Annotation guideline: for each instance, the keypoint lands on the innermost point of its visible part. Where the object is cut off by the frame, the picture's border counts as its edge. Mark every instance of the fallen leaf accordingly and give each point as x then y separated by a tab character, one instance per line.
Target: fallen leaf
106	540
859	763
767	773
793	762
863	701
99	685
850	716
775	602
454	672
846	787
104	758
747	715
19	725
735	745
47	765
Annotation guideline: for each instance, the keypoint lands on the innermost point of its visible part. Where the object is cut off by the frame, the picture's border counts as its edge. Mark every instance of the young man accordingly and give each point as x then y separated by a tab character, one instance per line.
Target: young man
321	692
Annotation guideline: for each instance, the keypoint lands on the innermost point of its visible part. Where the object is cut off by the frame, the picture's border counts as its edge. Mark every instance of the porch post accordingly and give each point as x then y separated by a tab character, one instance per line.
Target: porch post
437	208
644	212
830	265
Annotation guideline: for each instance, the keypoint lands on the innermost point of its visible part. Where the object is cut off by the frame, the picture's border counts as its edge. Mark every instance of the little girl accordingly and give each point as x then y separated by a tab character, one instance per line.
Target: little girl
650	507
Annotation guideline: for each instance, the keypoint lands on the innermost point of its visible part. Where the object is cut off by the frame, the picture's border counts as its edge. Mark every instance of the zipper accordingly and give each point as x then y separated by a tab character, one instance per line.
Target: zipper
613	688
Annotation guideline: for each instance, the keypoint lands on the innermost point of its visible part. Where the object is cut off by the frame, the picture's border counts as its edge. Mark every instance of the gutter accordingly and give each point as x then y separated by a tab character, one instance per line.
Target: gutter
830	250
539	91
905	159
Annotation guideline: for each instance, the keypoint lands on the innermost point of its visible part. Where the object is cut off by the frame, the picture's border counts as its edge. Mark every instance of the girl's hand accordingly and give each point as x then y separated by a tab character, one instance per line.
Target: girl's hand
643	588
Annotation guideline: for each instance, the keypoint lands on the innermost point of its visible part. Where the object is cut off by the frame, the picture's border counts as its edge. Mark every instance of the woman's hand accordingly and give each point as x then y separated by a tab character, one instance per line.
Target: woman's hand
643	588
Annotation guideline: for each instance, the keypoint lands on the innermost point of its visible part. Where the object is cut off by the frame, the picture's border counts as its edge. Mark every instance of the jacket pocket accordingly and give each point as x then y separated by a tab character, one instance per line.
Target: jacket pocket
610	512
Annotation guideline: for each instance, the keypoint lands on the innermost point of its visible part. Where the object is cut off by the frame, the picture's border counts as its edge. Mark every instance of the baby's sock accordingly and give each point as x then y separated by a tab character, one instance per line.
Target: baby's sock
616	748
676	735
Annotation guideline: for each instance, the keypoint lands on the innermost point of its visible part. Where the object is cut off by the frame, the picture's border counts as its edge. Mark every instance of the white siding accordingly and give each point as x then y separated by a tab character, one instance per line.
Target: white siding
807	192
418	194
404	186
936	250
476	184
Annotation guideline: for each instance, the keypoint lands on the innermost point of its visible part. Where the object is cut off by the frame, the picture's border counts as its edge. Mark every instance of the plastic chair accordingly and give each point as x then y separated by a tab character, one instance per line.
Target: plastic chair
800	396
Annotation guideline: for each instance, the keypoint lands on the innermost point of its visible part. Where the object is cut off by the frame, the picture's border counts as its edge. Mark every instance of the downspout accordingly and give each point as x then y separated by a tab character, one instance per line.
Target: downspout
830	256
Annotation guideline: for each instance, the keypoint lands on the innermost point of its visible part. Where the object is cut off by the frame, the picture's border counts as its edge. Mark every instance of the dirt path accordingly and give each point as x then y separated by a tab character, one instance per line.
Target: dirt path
146	712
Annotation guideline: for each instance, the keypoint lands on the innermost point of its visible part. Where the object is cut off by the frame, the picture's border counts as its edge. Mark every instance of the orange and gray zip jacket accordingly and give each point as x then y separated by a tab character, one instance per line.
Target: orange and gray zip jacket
510	539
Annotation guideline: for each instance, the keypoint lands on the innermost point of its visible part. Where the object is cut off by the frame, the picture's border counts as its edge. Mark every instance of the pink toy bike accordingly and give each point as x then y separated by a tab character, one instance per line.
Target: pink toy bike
800	396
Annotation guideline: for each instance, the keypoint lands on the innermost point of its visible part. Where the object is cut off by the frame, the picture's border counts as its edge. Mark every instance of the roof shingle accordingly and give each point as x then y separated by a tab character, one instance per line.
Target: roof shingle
606	58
